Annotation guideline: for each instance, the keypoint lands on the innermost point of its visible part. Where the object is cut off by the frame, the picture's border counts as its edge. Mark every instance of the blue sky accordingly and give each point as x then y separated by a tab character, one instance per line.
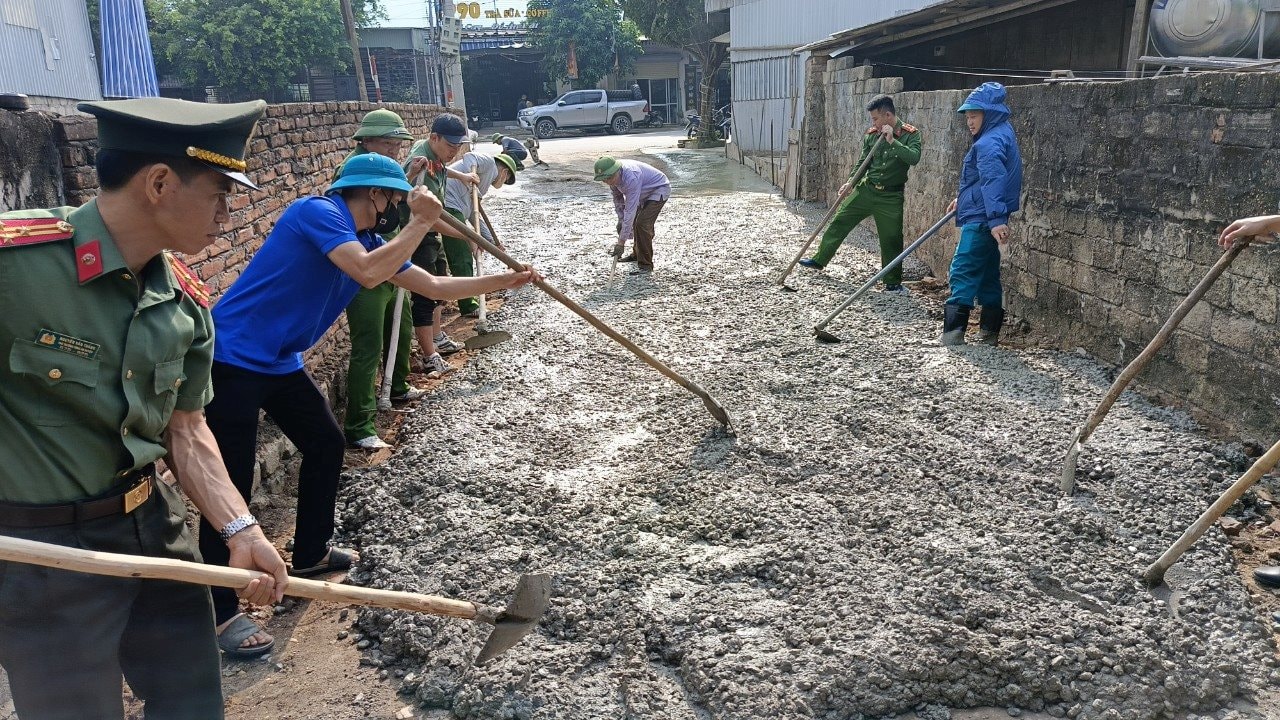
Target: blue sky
412	13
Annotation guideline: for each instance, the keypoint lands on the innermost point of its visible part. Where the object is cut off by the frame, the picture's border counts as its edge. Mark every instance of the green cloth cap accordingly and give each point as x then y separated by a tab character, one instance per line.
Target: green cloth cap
372	170
607	167
215	134
509	164
382	124
497	138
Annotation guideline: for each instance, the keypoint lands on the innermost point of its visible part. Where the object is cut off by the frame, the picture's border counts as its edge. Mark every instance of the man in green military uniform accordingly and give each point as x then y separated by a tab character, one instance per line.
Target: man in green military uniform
370	314
879	194
108	345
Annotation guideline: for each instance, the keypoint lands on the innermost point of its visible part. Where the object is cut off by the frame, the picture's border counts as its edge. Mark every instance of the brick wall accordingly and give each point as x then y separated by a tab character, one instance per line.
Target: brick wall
1126	185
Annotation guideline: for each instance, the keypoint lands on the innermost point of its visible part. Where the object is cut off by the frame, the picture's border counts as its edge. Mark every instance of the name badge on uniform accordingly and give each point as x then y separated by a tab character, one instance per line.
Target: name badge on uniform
68	344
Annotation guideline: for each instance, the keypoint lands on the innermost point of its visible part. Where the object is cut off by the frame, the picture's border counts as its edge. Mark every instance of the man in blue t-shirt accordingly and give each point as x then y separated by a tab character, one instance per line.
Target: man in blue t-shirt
321	251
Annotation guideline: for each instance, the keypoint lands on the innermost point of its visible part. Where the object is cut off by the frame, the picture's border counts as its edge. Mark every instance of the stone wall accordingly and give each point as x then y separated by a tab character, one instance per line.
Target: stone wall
1126	186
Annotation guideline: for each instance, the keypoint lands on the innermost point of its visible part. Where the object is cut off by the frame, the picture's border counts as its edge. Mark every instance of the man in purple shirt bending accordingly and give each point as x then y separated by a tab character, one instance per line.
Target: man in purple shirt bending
639	192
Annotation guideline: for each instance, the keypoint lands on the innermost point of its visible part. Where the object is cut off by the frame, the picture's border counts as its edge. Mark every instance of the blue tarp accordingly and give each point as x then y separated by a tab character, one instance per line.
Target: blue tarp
128	67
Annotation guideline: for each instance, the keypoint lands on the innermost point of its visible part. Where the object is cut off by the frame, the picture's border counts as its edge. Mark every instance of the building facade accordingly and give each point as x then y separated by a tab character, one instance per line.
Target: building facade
48	53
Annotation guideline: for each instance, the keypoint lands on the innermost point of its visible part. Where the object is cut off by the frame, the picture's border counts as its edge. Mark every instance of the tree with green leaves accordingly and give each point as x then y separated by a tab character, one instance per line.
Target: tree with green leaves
250	48
686	24
601	40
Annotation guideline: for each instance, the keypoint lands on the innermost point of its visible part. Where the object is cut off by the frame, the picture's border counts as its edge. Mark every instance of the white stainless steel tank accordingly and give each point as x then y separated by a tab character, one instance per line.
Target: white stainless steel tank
1201	28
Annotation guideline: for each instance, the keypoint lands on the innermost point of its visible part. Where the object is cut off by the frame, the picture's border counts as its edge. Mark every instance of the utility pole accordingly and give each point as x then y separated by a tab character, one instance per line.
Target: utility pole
349	19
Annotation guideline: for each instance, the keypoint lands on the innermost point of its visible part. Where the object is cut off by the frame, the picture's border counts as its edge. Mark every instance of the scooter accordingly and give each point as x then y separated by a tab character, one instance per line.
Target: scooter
652	118
721	117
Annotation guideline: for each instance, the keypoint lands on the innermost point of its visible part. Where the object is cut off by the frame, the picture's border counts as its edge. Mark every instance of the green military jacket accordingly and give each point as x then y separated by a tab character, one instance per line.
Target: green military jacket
93	360
434	178
893	161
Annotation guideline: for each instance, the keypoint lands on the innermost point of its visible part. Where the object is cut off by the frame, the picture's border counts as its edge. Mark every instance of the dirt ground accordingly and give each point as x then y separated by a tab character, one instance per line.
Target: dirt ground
880	534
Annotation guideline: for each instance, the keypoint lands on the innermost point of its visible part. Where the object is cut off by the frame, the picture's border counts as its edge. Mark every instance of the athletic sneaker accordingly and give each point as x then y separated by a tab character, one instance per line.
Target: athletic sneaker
898	289
811	264
445	345
436	366
373	442
409	395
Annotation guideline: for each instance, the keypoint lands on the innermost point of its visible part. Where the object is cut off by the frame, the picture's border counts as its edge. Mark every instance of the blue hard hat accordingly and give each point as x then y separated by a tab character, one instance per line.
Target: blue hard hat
372	170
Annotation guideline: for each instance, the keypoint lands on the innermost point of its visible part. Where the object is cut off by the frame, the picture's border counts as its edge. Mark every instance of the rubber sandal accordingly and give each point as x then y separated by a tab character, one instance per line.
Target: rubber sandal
335	560
235	633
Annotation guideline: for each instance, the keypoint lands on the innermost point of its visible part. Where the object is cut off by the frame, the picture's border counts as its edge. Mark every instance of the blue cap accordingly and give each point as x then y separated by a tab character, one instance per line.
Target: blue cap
372	170
450	128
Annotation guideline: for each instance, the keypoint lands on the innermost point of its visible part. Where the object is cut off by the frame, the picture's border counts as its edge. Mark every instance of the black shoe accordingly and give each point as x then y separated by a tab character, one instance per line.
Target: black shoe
990	322
1267	575
954	324
629	258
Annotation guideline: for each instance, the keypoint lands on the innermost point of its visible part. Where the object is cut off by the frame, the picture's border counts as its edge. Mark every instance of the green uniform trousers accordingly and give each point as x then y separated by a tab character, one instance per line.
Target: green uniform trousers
866	201
369	317
66	638
461	264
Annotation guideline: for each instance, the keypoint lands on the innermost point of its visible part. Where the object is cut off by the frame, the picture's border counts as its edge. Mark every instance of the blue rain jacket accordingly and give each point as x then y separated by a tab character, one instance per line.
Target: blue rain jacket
991	179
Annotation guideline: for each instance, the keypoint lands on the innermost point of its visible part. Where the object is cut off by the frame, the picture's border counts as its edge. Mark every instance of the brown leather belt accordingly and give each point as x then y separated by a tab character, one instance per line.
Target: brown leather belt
18	515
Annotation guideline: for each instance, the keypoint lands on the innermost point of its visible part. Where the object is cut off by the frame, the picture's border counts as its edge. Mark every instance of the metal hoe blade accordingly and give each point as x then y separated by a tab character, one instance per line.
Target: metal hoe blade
825	336
487	339
522	614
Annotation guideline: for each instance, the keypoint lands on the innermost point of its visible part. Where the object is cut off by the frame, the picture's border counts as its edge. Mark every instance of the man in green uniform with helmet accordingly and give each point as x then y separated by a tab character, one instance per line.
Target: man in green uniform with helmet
107	344
879	194
370	314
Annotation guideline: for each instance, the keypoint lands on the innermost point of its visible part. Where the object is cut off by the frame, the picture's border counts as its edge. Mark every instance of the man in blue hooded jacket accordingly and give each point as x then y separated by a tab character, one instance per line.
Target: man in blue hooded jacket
990	185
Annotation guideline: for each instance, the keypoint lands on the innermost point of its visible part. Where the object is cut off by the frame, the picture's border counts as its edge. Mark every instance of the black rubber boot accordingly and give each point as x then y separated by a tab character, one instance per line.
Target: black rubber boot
954	324
990	322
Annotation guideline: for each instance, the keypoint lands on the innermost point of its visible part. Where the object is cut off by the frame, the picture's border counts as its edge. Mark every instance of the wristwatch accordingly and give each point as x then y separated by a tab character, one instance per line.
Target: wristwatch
237	525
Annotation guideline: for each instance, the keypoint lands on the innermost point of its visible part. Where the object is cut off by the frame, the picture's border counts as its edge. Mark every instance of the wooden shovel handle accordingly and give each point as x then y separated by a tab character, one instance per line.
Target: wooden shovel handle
1154	575
152	568
582	312
853	181
1140	363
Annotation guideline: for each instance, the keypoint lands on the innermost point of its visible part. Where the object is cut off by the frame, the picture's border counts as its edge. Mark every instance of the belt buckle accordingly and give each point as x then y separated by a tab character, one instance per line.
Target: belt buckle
878	187
138	495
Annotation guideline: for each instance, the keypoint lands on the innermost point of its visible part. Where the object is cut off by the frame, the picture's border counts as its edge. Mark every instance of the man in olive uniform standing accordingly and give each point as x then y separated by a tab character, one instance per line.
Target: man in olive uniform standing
370	314
879	194
109	345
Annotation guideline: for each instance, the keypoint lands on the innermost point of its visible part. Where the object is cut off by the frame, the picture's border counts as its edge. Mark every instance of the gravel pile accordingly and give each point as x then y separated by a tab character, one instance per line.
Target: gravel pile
881	533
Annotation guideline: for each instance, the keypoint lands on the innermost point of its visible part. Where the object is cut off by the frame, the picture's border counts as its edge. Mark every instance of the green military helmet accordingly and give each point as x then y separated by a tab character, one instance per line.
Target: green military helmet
214	134
510	164
382	123
496	138
606	167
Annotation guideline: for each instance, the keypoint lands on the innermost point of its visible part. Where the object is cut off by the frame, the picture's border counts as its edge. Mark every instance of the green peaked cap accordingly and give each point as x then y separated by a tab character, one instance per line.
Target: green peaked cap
384	124
606	167
215	134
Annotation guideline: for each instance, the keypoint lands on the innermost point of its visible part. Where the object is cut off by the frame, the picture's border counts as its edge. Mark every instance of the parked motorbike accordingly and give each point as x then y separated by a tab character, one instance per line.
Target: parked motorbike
721	118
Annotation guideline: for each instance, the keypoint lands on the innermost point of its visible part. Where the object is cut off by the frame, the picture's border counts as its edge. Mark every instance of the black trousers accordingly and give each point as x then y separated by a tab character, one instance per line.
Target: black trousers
294	403
430	257
66	638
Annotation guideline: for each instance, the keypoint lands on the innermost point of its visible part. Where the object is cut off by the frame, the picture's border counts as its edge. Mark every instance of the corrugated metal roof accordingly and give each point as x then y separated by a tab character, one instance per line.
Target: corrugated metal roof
946	17
54	59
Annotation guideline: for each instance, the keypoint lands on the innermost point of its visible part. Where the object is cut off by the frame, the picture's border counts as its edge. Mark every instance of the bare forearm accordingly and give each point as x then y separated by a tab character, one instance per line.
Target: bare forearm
378	265
449	288
196	462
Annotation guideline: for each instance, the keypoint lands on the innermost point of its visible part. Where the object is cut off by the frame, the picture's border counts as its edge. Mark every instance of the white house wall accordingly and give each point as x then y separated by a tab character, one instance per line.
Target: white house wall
768	80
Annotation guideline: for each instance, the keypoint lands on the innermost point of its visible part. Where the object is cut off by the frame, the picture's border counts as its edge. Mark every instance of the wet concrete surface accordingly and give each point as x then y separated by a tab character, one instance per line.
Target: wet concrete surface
882	533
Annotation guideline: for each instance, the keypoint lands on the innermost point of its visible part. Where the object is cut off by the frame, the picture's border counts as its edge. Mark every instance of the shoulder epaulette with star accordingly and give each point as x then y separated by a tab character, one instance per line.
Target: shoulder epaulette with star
909	128
188	280
30	231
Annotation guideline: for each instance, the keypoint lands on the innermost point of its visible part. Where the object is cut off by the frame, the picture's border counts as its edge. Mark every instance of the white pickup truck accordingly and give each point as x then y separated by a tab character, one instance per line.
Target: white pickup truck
614	110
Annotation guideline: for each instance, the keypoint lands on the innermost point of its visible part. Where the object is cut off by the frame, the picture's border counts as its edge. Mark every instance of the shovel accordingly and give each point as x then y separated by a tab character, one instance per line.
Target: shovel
717	411
1155	574
510	625
1068	479
853	182
483	338
820	329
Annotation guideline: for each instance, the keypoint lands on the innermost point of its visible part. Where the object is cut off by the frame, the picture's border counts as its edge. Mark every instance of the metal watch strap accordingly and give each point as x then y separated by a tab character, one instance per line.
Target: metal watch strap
237	525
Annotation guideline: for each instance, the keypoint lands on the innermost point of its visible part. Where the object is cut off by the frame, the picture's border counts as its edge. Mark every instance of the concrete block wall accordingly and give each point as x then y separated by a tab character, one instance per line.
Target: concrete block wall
1126	186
